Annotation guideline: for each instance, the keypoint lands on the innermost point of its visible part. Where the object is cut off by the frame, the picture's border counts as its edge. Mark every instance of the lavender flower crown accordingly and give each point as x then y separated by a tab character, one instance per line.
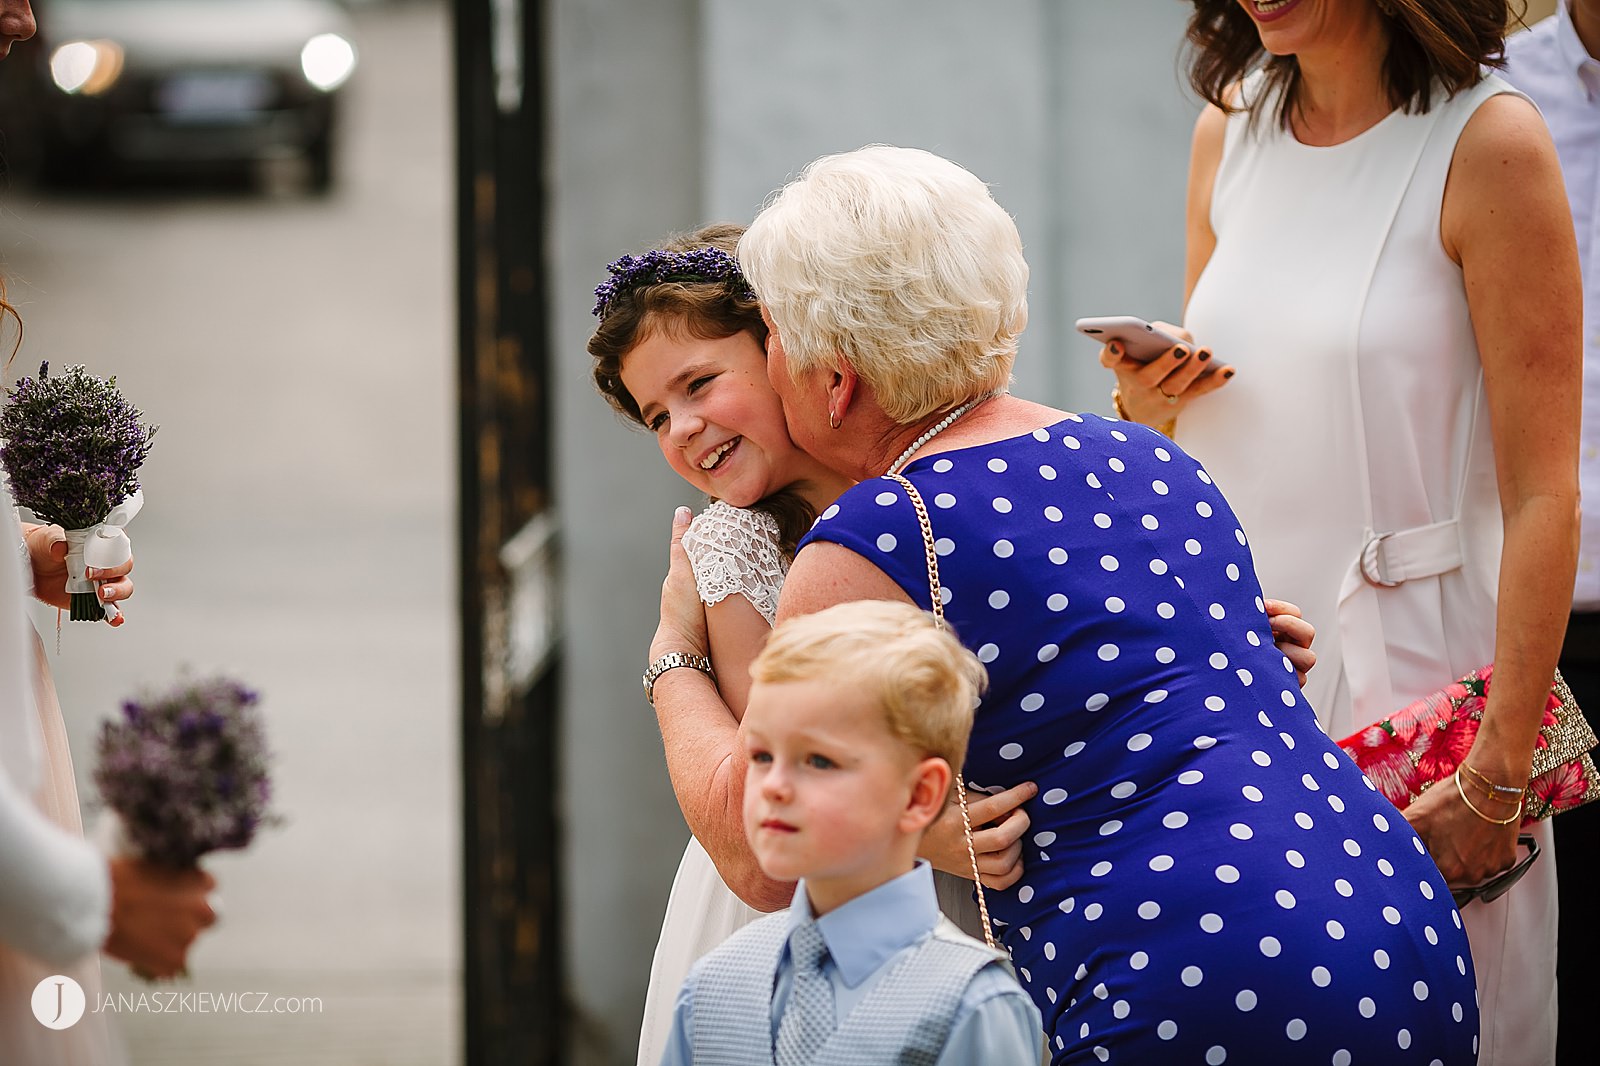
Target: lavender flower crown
656	266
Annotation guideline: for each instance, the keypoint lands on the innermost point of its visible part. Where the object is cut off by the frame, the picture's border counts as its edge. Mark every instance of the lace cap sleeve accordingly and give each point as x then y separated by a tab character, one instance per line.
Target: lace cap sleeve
734	550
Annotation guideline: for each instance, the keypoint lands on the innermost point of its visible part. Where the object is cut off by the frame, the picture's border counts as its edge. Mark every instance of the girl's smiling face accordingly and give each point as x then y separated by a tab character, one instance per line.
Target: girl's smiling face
715	415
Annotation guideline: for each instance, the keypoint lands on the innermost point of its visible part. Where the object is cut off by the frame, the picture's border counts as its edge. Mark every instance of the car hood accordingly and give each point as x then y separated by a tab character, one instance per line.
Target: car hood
189	32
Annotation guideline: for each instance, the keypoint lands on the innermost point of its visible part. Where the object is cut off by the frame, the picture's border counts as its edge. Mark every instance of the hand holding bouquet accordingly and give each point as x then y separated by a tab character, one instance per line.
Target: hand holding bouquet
72	448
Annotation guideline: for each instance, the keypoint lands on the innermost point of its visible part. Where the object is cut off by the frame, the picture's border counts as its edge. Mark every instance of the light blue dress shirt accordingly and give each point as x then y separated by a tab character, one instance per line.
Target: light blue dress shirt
996	1023
1550	64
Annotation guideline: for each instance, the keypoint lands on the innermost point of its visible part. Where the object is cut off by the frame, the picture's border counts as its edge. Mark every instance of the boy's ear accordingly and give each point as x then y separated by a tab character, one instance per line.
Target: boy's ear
930	788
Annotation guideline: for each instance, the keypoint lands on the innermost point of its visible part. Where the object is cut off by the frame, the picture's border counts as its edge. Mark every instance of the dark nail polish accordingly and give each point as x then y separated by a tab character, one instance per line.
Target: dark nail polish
1205	353
1228	373
1180	354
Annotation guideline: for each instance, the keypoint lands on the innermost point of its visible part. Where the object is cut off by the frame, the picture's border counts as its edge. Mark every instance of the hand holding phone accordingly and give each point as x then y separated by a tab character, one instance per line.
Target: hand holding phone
1141	341
1151	385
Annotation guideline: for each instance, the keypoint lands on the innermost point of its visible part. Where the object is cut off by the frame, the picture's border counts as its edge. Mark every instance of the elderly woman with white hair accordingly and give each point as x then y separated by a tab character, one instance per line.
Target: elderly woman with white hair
1207	878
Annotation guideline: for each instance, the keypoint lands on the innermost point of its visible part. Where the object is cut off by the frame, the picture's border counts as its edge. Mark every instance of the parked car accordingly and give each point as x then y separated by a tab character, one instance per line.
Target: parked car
178	82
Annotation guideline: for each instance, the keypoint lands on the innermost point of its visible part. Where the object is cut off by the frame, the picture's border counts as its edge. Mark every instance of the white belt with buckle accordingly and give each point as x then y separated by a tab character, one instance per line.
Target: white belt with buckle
1390	559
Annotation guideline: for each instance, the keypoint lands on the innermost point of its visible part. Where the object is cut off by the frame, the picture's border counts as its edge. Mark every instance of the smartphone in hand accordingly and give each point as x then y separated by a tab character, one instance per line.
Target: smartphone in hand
1140	341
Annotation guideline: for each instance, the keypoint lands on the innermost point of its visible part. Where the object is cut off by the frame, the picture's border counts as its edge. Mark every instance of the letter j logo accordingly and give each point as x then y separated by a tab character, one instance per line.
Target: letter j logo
58	1002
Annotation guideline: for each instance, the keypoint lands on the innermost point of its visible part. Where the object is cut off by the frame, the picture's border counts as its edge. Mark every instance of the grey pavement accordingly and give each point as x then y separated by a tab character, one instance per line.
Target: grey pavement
297	532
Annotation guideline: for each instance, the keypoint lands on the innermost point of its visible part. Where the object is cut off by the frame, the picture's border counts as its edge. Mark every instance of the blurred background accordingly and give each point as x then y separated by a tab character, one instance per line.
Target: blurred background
345	256
294	342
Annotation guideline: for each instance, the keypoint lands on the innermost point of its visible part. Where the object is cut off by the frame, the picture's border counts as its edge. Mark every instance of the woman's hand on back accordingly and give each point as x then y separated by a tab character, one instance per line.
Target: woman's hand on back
1293	636
683	616
998	823
1156	392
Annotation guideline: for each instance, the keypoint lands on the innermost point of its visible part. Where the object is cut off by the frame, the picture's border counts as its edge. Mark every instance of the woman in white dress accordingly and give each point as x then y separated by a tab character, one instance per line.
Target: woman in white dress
1379	240
61	902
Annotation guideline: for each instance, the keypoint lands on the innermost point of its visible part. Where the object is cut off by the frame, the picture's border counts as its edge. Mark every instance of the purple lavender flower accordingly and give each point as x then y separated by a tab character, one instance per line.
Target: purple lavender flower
186	770
72	446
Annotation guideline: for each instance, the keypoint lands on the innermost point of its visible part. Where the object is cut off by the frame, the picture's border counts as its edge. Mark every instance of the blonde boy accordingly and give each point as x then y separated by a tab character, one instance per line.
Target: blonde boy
856	716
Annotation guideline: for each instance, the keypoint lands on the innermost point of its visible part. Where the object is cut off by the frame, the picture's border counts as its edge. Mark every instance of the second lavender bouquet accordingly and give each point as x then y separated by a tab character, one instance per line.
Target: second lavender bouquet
72	448
185	771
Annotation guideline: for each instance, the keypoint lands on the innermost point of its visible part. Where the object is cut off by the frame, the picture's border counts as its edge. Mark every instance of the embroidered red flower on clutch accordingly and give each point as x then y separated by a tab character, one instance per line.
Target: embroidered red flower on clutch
1448	745
1425	742
1387	758
1560	788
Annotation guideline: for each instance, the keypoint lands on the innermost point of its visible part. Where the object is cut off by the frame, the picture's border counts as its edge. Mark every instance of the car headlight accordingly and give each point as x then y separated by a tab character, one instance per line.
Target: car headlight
327	60
86	67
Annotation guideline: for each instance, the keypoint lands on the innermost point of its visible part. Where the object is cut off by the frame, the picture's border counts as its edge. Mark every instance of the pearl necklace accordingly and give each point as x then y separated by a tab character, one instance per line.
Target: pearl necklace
939	427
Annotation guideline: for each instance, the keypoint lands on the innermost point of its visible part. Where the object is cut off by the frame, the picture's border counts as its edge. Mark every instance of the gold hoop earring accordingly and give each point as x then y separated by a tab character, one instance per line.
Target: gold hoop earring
833	420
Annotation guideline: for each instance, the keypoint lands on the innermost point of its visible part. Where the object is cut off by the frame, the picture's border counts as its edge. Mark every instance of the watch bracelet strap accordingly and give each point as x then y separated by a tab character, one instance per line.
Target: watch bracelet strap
671	661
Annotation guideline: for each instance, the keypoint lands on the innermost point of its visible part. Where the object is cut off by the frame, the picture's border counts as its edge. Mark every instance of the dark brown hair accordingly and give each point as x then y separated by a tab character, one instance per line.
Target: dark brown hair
710	310
1447	42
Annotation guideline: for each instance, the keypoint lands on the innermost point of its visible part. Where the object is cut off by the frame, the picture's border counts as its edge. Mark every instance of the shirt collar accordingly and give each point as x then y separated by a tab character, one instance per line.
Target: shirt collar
1574	56
869	930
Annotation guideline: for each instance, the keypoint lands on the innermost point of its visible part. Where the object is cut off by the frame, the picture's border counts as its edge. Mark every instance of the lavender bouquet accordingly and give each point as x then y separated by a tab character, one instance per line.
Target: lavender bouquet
185	771
72	449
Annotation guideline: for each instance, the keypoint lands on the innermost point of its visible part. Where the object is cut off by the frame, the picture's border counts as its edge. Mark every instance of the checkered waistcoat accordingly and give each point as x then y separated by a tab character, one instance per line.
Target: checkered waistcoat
903	1021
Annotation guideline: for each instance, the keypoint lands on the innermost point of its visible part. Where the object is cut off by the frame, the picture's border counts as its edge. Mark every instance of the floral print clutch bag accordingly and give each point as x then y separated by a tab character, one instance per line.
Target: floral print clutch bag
1425	741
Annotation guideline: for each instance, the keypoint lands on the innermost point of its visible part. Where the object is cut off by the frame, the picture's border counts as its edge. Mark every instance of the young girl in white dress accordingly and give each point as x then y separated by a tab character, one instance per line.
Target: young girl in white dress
681	350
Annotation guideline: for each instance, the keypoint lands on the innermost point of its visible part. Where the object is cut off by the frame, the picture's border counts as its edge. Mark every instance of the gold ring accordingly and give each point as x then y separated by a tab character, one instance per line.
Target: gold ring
1171	399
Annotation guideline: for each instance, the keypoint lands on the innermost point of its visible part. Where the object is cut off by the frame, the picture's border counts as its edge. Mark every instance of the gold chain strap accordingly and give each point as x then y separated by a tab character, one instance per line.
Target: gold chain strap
936	598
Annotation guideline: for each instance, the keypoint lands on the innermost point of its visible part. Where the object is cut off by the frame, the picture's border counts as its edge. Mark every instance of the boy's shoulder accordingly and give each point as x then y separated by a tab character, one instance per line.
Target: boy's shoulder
951	933
965	959
763	937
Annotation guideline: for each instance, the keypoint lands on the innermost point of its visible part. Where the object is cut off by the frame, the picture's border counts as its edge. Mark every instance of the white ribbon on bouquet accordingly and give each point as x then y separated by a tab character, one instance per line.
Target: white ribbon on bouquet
102	546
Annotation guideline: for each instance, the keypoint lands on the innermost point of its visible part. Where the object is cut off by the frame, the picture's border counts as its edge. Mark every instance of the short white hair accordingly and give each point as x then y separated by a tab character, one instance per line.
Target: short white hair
901	264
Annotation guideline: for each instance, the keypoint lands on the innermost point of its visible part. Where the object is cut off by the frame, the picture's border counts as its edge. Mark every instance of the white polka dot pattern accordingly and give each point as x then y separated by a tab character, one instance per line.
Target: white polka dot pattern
1182	872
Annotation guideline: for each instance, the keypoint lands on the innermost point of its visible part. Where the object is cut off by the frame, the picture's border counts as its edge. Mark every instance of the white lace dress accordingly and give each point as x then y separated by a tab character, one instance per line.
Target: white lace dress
734	551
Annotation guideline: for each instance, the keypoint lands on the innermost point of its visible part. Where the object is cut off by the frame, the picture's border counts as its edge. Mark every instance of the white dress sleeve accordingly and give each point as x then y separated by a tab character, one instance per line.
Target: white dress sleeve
55	892
736	550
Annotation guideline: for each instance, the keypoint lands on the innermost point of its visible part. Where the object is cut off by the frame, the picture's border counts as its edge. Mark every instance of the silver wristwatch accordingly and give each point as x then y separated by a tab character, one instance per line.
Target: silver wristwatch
670	661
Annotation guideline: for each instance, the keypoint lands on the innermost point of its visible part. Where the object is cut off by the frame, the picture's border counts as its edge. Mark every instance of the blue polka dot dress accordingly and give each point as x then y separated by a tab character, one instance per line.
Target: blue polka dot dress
1208	878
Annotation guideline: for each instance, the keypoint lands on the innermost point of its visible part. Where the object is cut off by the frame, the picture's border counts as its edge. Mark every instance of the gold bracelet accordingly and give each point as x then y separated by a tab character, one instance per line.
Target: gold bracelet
1490	796
1494	789
1492	821
1166	429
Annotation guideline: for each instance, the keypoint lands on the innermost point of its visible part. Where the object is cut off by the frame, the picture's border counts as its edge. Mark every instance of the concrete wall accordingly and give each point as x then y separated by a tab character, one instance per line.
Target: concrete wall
668	113
626	164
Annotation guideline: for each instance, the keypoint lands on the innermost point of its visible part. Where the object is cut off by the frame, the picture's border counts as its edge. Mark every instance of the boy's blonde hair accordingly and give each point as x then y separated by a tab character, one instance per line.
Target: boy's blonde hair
927	683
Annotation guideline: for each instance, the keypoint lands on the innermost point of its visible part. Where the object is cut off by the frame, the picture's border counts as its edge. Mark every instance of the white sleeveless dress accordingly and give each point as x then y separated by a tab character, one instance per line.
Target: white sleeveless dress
1359	413
733	551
